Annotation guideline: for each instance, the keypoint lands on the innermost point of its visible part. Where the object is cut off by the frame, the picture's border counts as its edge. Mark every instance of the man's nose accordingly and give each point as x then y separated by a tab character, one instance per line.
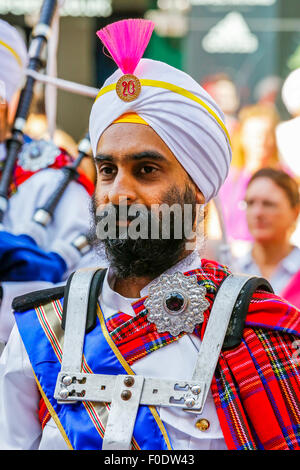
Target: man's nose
122	190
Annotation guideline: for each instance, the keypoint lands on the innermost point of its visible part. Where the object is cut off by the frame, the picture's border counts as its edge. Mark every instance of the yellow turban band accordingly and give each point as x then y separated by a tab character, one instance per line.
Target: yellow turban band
130	117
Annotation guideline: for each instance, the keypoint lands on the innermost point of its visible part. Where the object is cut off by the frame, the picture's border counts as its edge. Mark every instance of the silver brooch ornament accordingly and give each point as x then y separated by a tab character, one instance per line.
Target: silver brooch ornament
176	303
37	155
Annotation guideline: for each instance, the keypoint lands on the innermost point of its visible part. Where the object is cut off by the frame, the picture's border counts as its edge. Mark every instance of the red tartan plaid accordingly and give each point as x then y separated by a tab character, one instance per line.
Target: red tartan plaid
43	413
256	386
136	337
256	391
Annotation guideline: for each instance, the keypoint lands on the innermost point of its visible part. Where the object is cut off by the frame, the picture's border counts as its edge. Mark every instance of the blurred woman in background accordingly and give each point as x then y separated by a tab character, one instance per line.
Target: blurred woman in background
273	204
254	147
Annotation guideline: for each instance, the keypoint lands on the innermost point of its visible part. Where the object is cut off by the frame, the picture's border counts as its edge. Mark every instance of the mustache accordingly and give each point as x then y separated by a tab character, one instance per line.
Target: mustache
123	213
115	221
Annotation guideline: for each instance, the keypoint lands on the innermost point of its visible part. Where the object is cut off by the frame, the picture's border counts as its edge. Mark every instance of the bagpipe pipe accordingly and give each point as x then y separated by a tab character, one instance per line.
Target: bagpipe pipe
39	39
43	215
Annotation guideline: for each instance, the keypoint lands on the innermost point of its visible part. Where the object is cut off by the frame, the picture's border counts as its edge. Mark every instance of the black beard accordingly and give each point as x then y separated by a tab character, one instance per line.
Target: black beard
145	257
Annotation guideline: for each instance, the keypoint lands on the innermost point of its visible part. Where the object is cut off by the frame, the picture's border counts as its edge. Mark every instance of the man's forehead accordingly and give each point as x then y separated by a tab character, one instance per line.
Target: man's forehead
131	139
129	157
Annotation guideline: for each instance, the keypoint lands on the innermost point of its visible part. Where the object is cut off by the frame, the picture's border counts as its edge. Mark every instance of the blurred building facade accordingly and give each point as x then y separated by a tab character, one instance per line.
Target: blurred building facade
255	42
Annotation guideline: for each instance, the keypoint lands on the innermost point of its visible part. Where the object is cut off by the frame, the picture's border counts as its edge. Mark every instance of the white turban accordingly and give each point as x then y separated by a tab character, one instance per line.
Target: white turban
291	92
181	112
13	60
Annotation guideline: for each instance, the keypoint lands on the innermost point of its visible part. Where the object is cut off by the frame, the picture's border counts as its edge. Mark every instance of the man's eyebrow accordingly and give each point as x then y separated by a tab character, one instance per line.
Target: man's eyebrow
147	154
101	157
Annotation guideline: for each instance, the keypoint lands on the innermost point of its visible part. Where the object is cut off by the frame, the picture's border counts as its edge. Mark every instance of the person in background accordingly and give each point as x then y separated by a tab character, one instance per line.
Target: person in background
254	147
224	91
273	204
37	124
33	256
37	128
267	90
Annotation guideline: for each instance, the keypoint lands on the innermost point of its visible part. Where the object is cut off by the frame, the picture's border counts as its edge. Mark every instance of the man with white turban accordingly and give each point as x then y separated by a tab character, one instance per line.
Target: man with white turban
49	255
112	361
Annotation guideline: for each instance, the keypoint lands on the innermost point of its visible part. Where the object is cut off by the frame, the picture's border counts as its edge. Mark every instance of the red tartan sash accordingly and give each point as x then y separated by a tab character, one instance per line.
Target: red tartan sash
256	387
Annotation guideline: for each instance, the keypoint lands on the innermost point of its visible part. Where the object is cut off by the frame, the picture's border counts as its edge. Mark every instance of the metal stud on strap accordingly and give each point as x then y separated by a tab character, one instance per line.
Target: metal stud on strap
122	415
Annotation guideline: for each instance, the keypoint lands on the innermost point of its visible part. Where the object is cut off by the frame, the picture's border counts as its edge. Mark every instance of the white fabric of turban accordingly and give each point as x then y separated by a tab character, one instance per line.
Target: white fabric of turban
13	60
291	92
181	112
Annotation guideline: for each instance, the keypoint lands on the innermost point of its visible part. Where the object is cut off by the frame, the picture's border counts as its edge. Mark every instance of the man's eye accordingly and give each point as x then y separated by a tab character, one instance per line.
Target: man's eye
147	169
106	170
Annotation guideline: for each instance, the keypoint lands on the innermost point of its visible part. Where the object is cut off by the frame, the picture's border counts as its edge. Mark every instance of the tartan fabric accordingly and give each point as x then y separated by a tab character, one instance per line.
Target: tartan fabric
271	311
256	392
136	338
44	414
256	386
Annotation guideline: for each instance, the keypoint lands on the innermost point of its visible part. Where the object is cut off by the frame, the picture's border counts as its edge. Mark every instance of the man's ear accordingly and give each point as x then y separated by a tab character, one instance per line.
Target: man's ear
200	199
3	120
12	108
